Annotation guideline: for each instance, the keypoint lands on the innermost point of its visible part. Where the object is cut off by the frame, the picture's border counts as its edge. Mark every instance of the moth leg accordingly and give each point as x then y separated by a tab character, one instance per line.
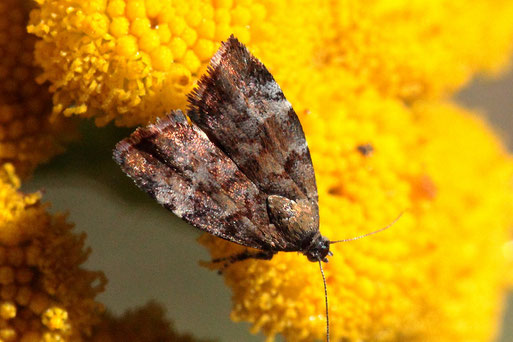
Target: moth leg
263	255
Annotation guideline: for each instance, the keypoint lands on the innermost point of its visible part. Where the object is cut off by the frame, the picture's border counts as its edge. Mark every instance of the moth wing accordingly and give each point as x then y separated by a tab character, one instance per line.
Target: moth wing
241	108
185	172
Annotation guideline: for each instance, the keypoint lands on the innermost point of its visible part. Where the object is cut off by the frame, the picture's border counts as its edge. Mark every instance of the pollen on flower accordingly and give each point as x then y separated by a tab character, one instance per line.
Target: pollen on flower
43	289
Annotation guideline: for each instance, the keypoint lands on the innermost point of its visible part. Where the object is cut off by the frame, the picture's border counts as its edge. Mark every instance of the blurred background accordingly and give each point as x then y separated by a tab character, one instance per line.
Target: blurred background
148	253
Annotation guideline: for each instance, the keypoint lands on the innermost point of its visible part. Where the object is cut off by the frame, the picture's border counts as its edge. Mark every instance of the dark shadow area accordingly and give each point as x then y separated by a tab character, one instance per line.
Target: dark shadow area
91	156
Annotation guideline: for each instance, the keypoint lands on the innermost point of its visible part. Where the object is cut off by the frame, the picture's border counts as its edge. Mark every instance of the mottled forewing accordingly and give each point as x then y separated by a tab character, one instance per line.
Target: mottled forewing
176	164
242	109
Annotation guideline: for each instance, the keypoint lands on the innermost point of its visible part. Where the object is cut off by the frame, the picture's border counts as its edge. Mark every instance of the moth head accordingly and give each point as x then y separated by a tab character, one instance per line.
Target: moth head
319	249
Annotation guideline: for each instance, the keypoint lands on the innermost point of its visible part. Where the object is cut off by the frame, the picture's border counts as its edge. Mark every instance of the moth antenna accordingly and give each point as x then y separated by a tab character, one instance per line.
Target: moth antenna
326	302
371	233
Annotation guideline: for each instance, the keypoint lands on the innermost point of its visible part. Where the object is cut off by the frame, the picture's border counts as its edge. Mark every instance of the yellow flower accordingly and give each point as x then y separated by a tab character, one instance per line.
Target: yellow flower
27	138
144	324
132	60
438	274
45	295
357	73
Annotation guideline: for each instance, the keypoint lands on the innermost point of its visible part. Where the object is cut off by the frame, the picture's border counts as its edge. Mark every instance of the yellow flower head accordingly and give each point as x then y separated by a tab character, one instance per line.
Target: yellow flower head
438	274
418	49
132	60
44	293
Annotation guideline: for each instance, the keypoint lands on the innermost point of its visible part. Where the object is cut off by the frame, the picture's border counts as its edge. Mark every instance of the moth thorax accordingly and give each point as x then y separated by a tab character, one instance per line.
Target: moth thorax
289	216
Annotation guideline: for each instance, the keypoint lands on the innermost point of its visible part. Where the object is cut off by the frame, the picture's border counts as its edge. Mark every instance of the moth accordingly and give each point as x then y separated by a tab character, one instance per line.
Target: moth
240	169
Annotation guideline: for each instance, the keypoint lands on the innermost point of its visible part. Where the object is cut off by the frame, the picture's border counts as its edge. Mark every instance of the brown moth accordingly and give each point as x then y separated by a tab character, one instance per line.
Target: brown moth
241	169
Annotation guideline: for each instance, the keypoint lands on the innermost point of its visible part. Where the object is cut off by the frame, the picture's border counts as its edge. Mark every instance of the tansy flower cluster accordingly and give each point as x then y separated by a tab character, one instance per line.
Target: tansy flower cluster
357	73
45	294
130	61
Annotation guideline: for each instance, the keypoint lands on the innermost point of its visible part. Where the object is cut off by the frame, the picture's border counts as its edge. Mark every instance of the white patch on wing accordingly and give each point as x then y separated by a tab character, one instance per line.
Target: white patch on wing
299	147
279	108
